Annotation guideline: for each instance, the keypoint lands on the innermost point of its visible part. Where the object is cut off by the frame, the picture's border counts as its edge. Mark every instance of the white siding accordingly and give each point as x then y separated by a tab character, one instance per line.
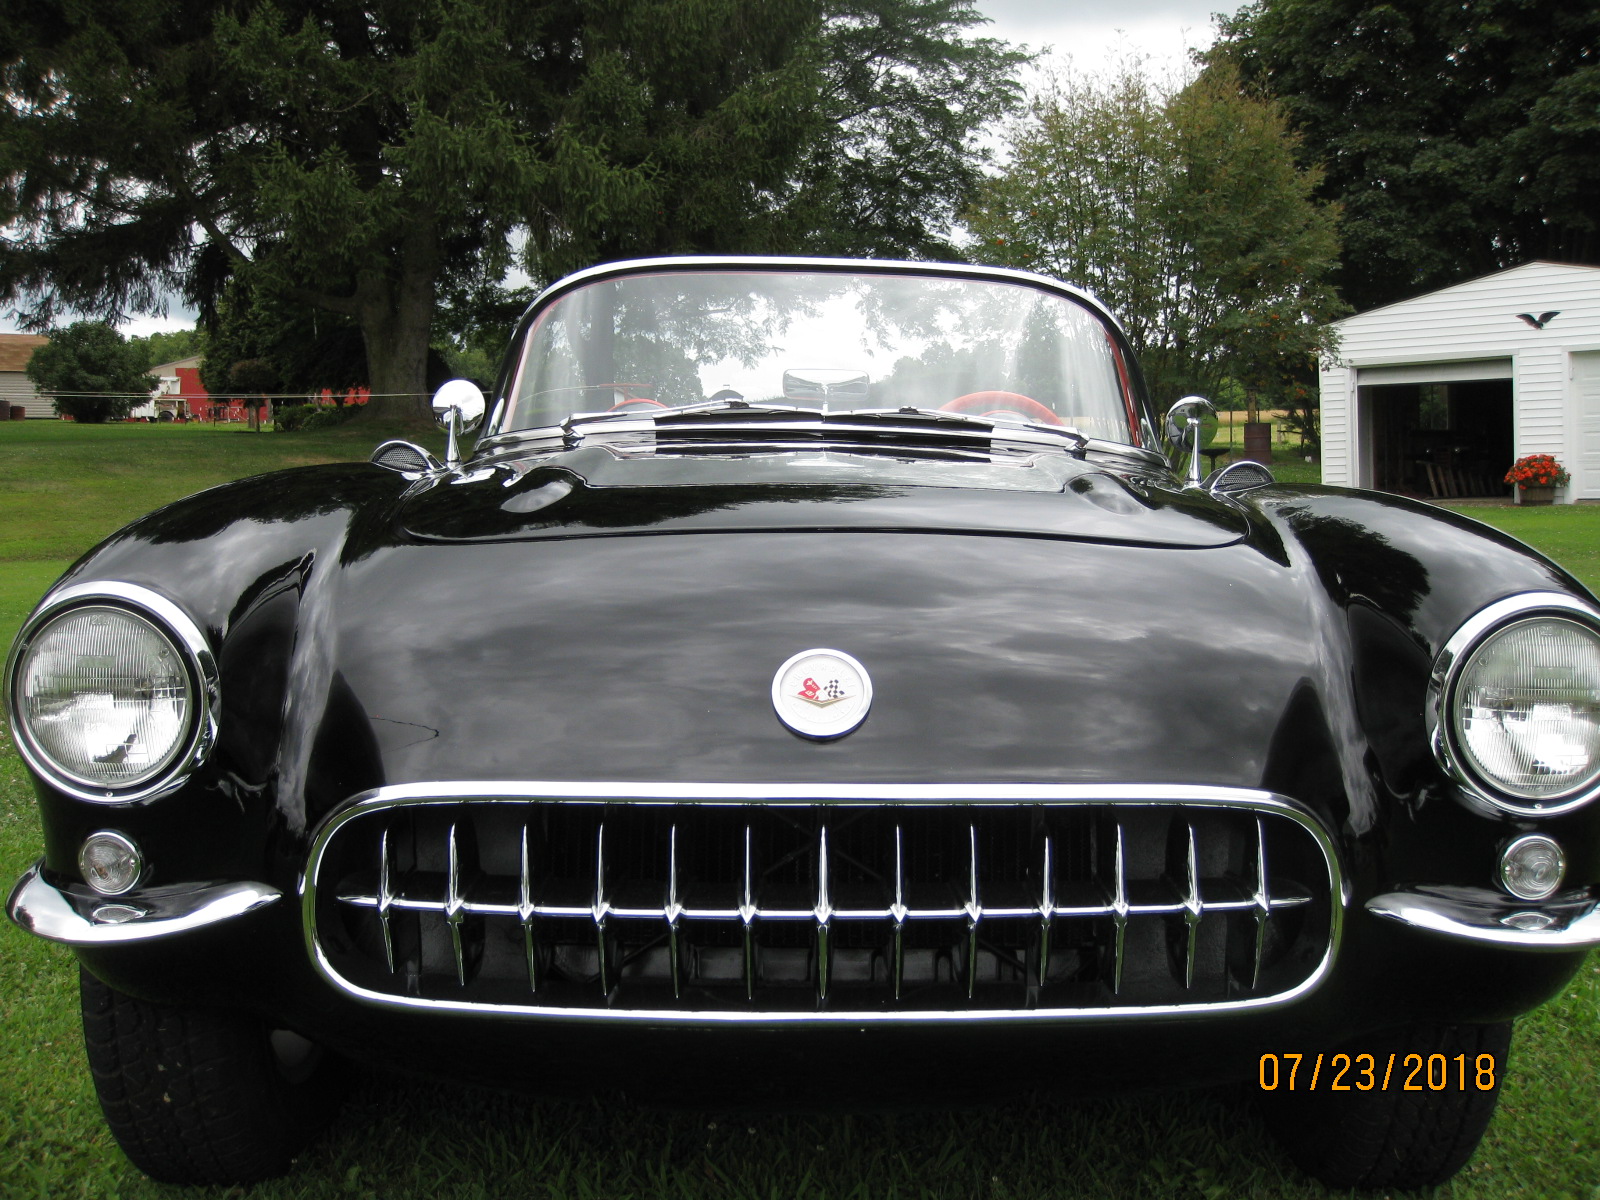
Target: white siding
17	388
1452	334
1539	402
1338	437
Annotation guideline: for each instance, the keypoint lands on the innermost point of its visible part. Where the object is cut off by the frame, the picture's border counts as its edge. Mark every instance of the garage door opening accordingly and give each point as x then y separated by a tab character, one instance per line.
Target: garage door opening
1440	440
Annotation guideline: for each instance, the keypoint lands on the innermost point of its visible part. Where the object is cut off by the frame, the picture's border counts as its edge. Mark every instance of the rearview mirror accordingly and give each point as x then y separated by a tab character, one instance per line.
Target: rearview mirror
459	406
826	384
1184	434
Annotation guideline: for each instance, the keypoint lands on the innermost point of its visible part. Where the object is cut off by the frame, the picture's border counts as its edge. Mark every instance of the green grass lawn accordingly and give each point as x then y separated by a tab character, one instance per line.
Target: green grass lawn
63	487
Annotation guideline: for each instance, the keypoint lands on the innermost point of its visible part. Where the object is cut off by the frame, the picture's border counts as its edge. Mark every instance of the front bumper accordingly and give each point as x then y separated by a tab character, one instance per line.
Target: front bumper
80	917
1562	923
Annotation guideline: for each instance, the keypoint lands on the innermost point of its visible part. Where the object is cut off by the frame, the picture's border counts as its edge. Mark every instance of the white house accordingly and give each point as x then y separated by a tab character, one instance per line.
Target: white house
1437	395
16	389
176	393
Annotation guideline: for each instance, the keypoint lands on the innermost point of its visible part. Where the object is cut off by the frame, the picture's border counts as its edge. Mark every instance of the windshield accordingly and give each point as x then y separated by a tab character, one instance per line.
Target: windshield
636	345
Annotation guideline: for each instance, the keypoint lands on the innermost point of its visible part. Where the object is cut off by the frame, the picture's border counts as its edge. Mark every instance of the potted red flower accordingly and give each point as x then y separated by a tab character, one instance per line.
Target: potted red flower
1537	476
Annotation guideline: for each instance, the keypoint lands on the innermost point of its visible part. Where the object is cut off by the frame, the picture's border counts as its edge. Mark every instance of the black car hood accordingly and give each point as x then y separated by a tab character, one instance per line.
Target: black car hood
372	631
598	491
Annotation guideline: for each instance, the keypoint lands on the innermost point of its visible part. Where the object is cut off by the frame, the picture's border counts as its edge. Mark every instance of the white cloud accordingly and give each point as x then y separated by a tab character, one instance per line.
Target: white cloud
1090	37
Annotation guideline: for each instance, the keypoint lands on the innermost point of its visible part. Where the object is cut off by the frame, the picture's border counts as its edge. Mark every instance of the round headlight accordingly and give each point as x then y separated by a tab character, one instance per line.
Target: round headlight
104	696
1523	710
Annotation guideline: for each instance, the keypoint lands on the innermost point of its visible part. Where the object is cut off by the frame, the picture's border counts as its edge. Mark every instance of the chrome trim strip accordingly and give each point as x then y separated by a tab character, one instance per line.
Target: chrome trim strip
191	644
1479	915
859	794
1447	668
1132	795
47	911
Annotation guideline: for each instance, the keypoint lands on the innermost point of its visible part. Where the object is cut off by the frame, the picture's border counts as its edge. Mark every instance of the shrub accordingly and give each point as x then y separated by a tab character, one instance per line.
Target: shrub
292	418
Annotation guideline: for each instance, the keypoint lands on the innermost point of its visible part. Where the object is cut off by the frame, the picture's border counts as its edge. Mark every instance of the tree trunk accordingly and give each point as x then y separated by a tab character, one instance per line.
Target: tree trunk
396	316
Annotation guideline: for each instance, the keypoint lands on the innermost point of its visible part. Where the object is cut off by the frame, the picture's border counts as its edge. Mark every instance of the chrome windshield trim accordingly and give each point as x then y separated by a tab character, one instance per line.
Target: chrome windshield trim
1447	668
1479	915
187	638
517	791
88	919
863	266
499	406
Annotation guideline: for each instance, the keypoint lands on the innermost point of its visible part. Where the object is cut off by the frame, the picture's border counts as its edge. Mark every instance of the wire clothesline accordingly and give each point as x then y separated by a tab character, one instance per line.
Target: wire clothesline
306	396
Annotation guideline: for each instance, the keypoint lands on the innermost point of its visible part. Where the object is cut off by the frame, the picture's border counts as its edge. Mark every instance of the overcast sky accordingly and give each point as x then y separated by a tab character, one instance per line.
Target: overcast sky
1079	34
1093	34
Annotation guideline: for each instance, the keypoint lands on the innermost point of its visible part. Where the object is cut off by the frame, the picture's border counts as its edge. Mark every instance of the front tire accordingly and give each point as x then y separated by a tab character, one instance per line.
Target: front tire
202	1096
1389	1137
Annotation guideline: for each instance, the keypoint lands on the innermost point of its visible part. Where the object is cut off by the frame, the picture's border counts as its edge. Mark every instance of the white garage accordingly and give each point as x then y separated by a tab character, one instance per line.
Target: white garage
1436	396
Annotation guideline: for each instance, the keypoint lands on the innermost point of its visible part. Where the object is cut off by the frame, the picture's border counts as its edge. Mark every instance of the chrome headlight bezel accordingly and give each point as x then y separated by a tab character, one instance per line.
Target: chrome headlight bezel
1448	668
193	651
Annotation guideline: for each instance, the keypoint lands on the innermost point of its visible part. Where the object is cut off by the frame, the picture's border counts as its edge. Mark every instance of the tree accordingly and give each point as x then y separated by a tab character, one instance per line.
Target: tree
1458	138
348	159
905	99
291	347
92	373
1187	214
165	346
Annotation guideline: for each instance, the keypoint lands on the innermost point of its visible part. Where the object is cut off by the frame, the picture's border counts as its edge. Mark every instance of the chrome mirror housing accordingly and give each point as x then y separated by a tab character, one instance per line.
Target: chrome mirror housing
458	405
1184	434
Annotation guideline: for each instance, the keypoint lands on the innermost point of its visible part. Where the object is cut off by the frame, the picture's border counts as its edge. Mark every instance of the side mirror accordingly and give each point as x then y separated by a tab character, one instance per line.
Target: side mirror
459	406
1184	434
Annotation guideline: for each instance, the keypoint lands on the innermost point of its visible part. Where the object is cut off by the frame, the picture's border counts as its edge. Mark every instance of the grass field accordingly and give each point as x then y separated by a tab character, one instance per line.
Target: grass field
62	487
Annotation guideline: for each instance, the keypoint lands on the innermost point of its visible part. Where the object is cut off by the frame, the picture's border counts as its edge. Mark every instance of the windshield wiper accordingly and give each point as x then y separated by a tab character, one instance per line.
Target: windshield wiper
739	419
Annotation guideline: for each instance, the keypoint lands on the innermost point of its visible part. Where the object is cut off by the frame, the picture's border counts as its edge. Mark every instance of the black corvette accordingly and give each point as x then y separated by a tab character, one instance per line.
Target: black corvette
817	668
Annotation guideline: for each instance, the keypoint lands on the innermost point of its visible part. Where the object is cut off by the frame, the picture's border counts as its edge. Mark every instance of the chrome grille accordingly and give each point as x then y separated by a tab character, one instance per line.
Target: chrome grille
1019	901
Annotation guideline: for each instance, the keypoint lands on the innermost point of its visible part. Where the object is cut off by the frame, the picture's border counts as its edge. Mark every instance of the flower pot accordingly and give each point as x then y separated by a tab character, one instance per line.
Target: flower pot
1538	495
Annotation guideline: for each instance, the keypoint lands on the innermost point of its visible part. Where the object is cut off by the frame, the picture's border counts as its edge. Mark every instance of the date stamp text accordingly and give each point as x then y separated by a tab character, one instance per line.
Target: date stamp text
1378	1072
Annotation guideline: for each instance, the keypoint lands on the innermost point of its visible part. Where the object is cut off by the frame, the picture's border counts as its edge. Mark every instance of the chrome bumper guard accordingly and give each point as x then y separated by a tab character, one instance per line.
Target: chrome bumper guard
1479	915
84	918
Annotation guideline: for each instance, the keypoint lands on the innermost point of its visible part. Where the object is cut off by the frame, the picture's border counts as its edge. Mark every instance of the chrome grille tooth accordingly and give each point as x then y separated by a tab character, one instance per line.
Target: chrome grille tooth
602	905
1119	912
898	909
1047	911
385	898
673	910
453	914
525	912
974	909
1263	902
747	916
1192	909
823	912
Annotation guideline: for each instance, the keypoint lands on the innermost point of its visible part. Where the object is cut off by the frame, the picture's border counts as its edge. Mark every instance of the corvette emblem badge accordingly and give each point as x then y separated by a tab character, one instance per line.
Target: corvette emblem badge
822	694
